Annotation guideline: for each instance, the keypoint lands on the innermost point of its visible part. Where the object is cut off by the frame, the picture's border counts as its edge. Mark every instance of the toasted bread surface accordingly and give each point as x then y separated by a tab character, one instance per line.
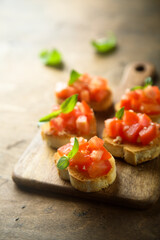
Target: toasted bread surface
56	141
83	182
133	154
154	118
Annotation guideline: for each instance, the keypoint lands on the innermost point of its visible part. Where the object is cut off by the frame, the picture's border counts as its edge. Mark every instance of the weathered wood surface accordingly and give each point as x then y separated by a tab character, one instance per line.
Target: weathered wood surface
134	186
26	92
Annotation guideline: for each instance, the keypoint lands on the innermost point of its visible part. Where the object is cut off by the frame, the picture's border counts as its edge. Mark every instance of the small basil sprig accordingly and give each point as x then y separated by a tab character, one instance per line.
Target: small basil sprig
51	58
120	113
63	162
148	82
66	107
105	45
74	75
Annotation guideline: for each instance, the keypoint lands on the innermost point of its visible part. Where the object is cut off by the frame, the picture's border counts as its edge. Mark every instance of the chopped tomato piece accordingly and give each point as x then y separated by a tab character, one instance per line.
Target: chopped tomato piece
147	134
80	161
84	95
95	143
57	124
97	169
64	150
131	134
106	154
114	127
96	155
125	102
82	124
144	120
130	118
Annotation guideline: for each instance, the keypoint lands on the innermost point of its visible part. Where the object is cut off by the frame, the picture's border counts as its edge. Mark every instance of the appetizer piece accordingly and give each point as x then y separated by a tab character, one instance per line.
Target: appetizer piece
88	165
132	136
70	119
143	99
93	90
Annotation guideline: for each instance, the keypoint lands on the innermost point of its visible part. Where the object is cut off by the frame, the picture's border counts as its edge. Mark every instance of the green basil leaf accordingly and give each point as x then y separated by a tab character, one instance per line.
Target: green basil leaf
119	114
148	81
51	58
69	104
63	162
136	87
50	116
73	77
74	150
104	45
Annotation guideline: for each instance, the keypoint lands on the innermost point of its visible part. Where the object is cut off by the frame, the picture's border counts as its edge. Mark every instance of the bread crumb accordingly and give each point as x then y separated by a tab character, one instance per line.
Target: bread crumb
117	140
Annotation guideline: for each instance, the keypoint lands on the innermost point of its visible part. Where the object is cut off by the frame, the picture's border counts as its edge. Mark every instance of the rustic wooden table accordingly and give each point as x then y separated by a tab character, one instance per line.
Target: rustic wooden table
26	91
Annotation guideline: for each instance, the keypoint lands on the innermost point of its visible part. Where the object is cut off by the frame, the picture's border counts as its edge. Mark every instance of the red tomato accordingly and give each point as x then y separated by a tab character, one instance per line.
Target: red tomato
130	118
64	150
57	124
114	127
95	143
125	102
82	125
97	169
84	95
144	120
131	134
147	134
66	92
80	161
106	155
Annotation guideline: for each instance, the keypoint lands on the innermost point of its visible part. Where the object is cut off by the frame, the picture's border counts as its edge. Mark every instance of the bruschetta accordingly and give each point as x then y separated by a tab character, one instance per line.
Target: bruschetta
80	121
132	136
93	90
142	99
92	167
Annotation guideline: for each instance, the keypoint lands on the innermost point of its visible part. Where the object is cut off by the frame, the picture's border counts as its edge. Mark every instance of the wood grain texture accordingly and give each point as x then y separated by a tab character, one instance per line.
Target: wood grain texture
26	94
134	186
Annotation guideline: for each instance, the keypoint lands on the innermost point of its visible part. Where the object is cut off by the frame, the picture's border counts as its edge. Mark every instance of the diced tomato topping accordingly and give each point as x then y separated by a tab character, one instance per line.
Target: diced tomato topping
101	168
114	127
130	118
95	143
136	128
75	122
144	120
147	134
81	161
88	89
89	159
145	100
132	132
64	150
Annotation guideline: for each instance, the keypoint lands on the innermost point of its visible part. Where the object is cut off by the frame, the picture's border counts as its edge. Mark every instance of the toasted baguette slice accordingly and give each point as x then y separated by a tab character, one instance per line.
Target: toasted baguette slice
97	106
83	182
56	141
133	154
63	173
154	118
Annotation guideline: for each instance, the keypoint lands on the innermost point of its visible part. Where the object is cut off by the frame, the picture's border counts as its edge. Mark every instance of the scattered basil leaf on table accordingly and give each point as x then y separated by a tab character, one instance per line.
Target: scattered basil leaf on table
120	113
74	75
63	162
105	45
51	58
66	107
148	82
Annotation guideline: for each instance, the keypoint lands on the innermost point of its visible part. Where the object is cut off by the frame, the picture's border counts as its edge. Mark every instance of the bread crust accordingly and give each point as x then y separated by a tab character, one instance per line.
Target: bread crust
97	106
154	118
131	153
56	141
83	182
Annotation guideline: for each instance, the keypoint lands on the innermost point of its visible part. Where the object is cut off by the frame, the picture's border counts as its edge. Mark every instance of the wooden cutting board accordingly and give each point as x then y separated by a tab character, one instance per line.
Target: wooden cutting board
137	187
